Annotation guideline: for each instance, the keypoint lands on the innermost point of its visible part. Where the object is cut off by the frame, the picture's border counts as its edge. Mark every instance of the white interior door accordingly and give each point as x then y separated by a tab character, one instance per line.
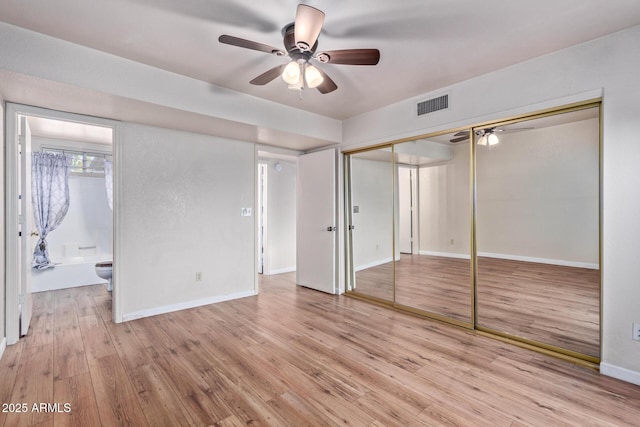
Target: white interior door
27	234
316	221
405	201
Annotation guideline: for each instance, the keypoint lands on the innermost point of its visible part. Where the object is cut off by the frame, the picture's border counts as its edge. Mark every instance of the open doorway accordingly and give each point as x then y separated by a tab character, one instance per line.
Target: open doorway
276	213
73	234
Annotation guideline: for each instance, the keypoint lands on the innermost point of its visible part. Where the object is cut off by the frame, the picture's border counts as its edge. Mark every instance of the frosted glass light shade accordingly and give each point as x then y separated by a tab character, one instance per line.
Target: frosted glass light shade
312	76
482	140
291	73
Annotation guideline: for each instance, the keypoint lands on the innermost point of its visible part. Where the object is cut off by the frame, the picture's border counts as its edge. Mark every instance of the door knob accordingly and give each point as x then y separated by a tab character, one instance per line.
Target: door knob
34	233
331	228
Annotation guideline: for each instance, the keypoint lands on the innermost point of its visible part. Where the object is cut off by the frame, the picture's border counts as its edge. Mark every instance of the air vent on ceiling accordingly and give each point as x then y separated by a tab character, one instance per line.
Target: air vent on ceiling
433	104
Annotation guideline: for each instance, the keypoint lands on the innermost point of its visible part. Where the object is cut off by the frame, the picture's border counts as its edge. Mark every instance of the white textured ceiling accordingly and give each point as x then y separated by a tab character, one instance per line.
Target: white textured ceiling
424	44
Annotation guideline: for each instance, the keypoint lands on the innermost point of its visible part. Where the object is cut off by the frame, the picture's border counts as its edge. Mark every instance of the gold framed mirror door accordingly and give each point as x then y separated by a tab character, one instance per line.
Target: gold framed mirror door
537	220
495	228
370	219
427	237
432	272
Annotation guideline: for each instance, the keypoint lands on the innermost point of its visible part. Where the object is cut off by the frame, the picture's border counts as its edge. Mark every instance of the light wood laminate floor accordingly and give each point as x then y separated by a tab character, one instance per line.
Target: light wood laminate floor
290	356
550	304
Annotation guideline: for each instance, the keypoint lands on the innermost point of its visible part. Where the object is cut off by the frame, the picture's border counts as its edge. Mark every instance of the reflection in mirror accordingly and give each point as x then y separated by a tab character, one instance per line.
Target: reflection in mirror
433	228
371	223
538	230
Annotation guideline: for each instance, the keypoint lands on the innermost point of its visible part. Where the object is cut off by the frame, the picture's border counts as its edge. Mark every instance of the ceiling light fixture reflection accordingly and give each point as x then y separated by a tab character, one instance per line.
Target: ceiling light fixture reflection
488	138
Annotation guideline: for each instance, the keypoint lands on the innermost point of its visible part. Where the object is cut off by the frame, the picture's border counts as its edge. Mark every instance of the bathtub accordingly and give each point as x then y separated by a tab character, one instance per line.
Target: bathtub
68	273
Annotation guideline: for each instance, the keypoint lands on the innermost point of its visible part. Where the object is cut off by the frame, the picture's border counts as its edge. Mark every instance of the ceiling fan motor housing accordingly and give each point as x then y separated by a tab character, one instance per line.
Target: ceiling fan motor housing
294	51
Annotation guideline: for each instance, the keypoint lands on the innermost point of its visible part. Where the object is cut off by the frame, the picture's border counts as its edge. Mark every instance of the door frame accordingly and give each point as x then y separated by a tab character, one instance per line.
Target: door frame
413	197
261	213
12	182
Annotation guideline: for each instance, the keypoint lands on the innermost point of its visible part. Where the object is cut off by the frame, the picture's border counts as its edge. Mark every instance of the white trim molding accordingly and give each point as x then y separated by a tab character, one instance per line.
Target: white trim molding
516	258
620	373
280	271
185	305
375	263
540	260
446	254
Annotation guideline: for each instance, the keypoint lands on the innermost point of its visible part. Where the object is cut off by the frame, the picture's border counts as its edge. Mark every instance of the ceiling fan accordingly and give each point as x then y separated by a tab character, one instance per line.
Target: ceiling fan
301	43
487	136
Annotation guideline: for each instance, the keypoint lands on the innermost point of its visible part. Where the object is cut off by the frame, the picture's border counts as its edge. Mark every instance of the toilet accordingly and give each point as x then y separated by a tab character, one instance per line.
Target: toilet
105	271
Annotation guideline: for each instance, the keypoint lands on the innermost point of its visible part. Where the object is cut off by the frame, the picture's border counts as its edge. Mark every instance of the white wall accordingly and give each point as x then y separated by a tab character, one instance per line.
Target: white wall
444	206
88	221
538	194
372	192
606	66
3	333
178	213
281	218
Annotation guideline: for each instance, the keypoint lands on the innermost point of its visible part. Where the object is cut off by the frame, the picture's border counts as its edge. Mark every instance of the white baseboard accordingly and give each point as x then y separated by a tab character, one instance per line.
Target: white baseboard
540	260
515	258
446	254
185	305
375	263
623	374
3	346
280	271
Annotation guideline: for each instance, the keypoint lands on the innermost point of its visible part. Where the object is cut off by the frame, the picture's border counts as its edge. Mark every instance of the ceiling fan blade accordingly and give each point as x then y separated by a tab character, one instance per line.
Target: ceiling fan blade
265	78
248	44
460	138
327	84
350	56
513	130
307	27
461	133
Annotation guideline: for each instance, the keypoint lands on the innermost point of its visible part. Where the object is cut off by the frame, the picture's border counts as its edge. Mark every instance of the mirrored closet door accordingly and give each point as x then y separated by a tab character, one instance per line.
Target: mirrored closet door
370	223
495	228
433	227
537	230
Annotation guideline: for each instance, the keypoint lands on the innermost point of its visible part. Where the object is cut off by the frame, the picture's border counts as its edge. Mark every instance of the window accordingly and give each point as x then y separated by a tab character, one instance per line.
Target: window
82	162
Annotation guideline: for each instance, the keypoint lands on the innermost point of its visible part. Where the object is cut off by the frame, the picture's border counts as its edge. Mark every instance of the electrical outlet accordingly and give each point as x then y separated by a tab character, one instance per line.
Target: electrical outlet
198	276
636	331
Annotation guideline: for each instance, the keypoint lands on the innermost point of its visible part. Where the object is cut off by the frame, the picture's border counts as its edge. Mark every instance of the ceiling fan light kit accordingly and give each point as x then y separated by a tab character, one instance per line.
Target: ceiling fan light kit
295	71
301	43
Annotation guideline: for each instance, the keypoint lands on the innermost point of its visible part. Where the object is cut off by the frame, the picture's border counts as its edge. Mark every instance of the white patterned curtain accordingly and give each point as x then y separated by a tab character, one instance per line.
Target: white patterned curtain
50	198
108	180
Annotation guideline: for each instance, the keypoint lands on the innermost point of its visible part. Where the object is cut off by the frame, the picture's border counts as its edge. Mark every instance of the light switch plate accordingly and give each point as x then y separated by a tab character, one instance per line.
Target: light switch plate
246	212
